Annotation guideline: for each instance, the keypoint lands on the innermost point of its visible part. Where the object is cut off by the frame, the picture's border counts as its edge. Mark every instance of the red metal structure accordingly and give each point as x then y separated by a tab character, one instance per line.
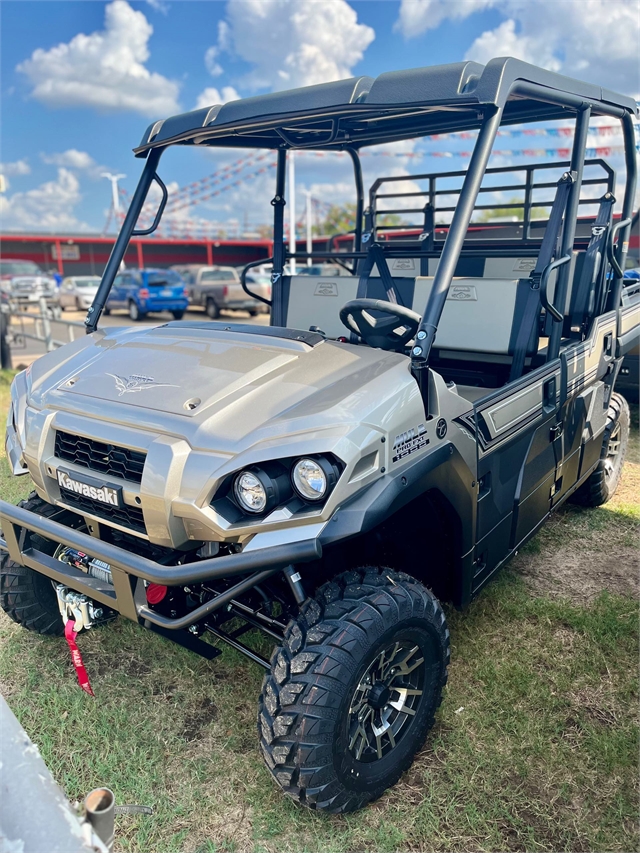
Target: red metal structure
87	254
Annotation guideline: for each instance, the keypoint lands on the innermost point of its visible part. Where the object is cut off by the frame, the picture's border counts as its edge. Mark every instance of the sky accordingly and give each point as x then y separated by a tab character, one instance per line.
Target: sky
81	80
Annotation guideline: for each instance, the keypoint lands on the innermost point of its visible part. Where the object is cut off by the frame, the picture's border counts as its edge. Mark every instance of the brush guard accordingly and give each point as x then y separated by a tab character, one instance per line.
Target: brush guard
82	595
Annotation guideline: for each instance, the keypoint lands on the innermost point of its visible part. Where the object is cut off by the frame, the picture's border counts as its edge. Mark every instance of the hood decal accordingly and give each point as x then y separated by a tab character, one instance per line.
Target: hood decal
136	382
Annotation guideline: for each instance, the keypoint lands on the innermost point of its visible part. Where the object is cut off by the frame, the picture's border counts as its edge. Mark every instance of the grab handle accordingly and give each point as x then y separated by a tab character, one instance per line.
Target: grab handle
544	282
161	207
610	244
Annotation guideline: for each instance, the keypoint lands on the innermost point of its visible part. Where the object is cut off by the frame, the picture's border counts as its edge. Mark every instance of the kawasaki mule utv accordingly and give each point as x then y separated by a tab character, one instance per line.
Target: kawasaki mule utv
391	439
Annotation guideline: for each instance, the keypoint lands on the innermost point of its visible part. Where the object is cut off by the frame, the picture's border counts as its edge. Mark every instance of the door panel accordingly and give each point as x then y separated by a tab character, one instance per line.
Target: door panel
515	428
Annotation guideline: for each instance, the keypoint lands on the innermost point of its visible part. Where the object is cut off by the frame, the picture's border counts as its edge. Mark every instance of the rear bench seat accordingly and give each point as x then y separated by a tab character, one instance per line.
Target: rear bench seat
481	314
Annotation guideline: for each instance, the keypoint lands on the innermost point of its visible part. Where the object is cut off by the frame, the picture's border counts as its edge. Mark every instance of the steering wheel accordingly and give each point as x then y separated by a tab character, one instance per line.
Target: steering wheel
391	333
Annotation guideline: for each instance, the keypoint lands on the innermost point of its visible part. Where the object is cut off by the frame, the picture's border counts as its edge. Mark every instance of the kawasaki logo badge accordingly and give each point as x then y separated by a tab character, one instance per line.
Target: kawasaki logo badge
409	442
90	488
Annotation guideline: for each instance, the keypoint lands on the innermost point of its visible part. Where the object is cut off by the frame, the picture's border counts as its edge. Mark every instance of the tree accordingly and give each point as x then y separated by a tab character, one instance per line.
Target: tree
341	219
510	214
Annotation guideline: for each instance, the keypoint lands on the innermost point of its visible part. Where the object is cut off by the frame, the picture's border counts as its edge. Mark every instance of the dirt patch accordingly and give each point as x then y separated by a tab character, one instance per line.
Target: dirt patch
581	574
205	712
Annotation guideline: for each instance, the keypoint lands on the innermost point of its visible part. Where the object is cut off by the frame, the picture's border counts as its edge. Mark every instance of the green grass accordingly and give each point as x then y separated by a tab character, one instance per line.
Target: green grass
535	747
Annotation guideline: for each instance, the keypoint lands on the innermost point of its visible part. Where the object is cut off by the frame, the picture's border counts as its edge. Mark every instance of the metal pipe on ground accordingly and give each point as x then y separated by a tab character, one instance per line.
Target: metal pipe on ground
100	807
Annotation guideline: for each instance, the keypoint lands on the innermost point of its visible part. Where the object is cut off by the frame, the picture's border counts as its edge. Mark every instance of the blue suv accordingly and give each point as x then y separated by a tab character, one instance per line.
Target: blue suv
143	291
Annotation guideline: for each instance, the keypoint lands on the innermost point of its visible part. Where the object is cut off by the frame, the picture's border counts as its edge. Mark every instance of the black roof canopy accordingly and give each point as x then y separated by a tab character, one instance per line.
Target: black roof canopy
364	111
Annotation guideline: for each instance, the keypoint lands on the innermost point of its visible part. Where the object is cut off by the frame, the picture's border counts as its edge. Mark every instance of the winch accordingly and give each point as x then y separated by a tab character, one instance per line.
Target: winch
89	565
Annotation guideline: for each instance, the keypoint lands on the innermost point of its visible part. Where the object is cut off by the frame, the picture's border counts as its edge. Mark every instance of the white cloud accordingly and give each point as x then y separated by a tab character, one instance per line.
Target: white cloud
71	159
47	207
211	61
158	6
417	16
291	43
211	96
104	70
18	167
595	40
503	41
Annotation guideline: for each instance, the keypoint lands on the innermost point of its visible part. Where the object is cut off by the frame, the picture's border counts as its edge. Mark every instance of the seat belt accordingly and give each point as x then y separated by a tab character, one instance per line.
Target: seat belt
427	238
375	257
594	266
548	250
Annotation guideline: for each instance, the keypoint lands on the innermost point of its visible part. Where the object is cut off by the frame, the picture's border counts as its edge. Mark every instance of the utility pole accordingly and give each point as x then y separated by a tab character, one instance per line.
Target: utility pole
114	189
292	209
309	227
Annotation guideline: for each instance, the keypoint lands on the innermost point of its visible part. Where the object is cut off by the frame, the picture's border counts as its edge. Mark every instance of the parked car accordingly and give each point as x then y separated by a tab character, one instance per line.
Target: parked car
321	269
78	291
260	283
25	283
5	348
217	289
141	292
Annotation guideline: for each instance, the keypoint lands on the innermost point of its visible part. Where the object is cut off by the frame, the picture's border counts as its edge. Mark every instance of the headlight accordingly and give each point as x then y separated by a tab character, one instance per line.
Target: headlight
309	479
249	492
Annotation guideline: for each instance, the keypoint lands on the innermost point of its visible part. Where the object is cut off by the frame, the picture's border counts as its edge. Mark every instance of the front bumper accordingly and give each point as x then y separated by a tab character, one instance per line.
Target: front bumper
34	298
164	304
129	570
241	304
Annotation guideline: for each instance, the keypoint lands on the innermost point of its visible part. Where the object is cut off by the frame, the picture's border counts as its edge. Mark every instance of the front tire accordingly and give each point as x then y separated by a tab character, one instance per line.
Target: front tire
603	482
354	690
178	315
26	596
211	309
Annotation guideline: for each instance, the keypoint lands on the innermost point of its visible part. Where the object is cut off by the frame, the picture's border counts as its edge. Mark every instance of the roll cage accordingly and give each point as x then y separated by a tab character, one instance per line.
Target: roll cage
352	114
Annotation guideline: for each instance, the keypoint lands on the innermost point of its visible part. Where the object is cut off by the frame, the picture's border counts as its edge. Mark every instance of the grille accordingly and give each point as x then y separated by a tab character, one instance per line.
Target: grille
105	458
127	516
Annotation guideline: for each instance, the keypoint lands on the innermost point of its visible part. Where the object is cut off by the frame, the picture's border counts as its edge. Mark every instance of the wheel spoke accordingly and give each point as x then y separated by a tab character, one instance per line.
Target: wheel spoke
403	665
386	663
379	745
400	704
358	701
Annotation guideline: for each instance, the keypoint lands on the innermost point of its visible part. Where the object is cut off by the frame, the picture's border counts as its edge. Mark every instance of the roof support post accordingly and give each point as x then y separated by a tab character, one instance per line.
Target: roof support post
357	174
455	238
278	202
631	163
569	229
122	240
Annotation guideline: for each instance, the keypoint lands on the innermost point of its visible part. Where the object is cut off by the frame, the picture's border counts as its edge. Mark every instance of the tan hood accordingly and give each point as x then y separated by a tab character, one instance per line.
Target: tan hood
225	384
